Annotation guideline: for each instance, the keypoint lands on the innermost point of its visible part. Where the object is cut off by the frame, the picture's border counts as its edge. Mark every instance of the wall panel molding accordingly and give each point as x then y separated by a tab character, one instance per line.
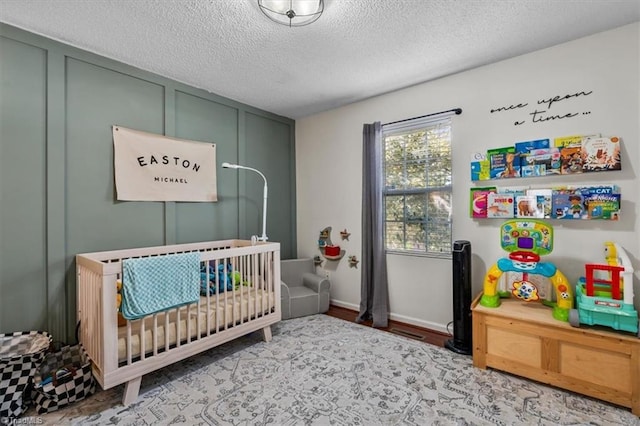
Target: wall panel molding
79	210
59	313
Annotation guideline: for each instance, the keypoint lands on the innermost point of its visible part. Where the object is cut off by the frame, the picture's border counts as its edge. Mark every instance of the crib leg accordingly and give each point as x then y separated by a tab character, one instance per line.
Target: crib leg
131	390
266	333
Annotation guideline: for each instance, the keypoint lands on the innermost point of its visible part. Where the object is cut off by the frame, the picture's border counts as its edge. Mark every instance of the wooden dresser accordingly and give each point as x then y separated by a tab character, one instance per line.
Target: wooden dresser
524	339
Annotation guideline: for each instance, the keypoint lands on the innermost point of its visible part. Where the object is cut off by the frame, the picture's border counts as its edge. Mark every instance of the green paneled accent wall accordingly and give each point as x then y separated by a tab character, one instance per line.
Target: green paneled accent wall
209	121
23	258
267	150
57	190
96	99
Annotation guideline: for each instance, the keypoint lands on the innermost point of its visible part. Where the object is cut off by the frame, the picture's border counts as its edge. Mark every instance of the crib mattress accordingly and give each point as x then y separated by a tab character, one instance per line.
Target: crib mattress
222	314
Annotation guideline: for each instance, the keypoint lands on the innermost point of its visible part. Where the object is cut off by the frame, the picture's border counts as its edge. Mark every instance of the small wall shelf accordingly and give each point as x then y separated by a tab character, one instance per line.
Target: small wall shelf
338	257
324	241
575	155
575	202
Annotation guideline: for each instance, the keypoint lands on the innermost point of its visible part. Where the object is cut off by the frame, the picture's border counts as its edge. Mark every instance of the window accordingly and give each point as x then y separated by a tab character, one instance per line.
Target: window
417	186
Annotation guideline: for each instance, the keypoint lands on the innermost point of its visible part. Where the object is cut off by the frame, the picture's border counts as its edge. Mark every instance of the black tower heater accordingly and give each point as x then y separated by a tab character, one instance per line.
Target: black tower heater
461	342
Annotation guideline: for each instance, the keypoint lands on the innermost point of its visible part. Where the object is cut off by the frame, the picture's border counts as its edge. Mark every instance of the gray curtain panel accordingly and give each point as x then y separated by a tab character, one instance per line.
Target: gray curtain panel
374	296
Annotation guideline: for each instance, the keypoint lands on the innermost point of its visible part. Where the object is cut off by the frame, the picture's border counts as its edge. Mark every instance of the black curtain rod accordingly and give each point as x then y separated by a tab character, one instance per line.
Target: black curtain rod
458	111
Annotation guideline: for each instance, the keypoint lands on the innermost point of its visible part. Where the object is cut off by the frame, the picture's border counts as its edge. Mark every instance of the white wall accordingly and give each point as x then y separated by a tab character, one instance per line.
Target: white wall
329	164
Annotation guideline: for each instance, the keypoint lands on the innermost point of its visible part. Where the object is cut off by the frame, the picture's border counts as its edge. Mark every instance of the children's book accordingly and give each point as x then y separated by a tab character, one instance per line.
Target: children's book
478	202
479	166
514	191
527	206
503	163
587	190
499	205
571	152
565	141
542	162
571	159
567	204
528	169
526	146
523	150
543	201
602	153
603	206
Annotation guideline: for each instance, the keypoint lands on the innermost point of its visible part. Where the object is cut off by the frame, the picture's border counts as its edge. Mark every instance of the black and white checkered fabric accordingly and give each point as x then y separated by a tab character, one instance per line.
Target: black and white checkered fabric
20	355
67	378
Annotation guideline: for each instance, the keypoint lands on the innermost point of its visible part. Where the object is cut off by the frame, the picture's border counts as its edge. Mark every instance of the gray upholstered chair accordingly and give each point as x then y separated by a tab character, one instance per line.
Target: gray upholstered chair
303	292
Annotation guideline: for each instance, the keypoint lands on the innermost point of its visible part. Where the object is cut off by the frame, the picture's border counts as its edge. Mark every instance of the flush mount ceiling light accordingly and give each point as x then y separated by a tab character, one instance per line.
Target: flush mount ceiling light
292	13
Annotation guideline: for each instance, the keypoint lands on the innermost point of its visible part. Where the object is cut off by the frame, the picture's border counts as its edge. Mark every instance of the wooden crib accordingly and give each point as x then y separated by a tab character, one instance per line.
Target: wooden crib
124	354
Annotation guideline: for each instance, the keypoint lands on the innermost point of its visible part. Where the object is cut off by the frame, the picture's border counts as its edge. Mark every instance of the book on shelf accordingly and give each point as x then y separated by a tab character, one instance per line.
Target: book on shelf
603	188
543	201
573	140
479	167
571	159
541	162
523	150
514	191
565	141
600	201
566	203
600	154
603	206
503	163
478	202
499	205
525	147
571	152
527	206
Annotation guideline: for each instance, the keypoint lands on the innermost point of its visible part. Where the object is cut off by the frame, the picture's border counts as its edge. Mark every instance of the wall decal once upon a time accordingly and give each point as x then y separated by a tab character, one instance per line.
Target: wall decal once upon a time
543	113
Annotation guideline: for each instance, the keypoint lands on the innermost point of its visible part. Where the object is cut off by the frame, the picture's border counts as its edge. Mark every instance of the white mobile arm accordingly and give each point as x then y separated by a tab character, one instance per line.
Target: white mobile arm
263	237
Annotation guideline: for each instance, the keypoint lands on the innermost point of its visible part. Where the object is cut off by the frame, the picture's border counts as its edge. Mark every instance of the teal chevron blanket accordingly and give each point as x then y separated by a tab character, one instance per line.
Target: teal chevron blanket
154	284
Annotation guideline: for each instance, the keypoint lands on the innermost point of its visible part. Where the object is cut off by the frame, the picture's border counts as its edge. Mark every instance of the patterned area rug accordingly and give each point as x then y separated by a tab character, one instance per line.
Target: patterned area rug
320	370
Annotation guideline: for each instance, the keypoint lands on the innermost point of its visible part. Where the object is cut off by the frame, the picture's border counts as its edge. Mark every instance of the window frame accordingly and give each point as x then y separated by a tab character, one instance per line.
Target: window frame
407	127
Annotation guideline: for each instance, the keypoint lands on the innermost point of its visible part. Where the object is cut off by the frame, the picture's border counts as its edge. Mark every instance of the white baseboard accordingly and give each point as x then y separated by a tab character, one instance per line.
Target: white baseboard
400	318
346	305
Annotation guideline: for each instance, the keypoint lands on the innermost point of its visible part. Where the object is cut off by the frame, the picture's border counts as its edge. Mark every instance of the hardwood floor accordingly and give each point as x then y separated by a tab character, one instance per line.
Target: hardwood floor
411	331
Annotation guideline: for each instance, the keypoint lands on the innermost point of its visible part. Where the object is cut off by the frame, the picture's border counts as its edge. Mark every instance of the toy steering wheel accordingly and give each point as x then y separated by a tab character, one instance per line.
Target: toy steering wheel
524	256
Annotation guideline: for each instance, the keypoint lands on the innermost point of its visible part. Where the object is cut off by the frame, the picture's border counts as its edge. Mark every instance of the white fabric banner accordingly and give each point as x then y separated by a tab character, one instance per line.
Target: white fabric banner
150	167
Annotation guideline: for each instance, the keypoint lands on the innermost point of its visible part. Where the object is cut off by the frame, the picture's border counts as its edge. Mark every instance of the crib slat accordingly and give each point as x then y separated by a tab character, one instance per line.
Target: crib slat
237	287
257	277
166	331
128	342
227	324
155	334
208	299
143	339
188	324
178	332
198	320
263	268
218	318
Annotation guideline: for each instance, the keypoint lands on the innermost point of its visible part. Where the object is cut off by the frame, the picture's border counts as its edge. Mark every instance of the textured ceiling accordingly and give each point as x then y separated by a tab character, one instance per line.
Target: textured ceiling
357	49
